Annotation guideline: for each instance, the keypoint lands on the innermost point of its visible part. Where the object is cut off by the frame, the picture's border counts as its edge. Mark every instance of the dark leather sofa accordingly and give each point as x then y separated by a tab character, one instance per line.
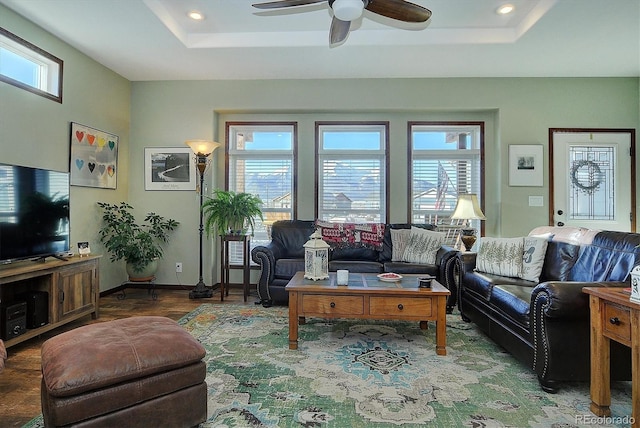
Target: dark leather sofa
284	256
546	325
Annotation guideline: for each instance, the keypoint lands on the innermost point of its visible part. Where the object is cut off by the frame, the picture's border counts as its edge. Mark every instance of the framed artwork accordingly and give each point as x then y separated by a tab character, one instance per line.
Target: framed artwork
94	157
526	165
83	248
167	168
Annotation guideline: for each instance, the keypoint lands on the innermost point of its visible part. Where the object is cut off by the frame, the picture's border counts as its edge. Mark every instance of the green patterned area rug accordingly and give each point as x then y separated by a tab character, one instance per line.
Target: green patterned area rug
362	373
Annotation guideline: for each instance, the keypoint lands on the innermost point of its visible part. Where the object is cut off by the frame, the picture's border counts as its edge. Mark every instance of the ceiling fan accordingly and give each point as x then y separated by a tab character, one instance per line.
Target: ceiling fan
345	11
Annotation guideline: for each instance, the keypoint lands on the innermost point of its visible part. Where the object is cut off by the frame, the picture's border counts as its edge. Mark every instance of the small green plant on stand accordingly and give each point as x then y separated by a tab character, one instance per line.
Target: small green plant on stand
229	212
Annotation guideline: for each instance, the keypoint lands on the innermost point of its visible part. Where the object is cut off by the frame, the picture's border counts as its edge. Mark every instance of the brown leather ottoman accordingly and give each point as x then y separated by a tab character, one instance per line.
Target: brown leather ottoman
132	372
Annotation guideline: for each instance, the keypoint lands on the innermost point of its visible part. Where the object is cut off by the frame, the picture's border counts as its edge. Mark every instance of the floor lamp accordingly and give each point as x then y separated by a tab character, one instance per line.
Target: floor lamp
203	150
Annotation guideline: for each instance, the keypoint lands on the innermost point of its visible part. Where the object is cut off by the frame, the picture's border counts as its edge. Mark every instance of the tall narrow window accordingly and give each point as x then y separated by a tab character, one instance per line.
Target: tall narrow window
28	67
262	159
445	161
352	171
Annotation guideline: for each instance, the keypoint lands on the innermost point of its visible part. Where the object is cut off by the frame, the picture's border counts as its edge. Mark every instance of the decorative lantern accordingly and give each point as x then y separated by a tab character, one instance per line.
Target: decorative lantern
316	257
635	284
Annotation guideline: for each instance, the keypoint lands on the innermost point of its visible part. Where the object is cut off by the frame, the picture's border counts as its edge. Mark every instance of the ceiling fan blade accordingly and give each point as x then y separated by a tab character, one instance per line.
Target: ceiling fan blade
400	10
285	3
339	31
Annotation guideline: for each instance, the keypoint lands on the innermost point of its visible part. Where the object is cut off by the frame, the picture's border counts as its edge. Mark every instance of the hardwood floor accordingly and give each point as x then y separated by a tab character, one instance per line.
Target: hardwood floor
20	381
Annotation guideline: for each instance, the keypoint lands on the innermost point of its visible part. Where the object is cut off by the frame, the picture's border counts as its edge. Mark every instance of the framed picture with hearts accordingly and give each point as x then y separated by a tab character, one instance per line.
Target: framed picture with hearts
94	157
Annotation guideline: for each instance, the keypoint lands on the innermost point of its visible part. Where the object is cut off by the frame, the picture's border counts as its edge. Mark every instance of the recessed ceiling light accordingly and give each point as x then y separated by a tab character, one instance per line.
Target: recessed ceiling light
195	15
505	9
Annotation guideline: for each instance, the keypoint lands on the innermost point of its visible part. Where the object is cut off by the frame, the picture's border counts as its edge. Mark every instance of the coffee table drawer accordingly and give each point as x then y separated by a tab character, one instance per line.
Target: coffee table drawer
401	306
332	305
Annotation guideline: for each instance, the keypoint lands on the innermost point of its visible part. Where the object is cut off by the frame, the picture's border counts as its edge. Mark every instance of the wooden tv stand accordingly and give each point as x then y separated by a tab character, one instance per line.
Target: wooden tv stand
73	287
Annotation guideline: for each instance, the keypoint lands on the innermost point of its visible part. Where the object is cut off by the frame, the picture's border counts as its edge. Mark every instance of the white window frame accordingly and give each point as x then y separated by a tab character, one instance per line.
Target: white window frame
474	178
232	182
378	155
49	68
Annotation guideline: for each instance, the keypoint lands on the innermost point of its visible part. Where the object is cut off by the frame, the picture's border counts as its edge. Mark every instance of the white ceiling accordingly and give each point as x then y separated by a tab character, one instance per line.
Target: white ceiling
155	40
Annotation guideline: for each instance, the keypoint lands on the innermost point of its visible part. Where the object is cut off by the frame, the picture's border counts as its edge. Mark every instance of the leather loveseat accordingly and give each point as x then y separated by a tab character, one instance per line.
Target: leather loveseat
546	324
281	258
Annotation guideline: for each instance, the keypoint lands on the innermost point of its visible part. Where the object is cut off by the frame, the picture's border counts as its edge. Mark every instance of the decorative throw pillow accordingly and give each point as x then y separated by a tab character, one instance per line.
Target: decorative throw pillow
422	246
367	235
500	256
535	249
399	238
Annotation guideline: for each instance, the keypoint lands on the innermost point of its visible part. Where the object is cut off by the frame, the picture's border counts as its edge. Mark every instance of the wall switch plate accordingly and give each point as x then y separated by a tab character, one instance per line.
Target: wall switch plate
536	201
178	267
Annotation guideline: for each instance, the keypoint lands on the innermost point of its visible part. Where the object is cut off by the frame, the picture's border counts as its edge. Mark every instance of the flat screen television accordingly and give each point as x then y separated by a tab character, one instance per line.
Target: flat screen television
34	213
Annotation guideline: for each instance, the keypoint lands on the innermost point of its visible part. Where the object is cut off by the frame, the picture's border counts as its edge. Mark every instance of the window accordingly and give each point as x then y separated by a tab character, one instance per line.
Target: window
445	160
29	67
262	161
352	171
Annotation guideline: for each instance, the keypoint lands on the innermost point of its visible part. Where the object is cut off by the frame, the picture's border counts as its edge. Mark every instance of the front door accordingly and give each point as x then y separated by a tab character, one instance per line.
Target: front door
592	180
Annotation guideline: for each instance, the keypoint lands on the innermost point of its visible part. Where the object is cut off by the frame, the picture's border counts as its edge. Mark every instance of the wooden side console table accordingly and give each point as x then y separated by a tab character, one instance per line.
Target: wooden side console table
224	264
613	317
72	287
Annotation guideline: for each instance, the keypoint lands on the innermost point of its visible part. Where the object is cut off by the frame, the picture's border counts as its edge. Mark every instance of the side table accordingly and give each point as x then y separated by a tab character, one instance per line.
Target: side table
613	317
224	264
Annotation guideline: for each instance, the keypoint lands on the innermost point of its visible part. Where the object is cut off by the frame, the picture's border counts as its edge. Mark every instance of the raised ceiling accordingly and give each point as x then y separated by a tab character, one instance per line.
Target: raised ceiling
155	40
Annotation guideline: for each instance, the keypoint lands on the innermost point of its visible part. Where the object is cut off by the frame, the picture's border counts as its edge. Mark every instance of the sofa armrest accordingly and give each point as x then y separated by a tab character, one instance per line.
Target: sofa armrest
265	256
467	261
564	299
560	326
445	260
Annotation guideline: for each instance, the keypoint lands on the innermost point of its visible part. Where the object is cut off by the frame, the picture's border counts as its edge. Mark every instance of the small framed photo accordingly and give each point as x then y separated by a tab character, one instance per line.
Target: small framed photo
168	168
83	248
526	165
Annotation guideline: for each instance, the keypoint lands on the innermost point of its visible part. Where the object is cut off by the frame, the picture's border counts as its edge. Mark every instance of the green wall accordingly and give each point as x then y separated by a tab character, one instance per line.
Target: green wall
516	111
35	131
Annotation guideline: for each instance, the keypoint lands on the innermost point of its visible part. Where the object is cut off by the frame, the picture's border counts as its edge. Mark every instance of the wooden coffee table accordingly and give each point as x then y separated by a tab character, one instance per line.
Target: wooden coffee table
367	297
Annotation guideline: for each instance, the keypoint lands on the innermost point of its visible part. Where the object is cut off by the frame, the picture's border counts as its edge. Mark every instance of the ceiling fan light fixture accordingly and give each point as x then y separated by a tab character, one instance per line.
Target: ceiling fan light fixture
347	10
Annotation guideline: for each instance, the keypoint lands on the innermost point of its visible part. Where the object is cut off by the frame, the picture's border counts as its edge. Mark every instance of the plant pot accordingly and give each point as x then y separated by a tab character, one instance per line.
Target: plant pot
144	275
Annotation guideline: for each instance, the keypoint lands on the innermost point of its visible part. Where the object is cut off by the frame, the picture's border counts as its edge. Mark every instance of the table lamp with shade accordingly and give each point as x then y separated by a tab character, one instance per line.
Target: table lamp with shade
468	208
203	150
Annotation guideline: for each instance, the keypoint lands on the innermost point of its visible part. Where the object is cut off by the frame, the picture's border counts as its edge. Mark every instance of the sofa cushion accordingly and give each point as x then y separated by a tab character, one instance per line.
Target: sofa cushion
408	268
287	268
291	235
483	283
356	266
535	249
353	253
423	246
559	261
610	257
399	239
500	256
513	301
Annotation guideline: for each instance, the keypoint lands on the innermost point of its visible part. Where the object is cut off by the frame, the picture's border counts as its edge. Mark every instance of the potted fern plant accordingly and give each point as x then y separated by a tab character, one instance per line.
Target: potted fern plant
231	212
139	245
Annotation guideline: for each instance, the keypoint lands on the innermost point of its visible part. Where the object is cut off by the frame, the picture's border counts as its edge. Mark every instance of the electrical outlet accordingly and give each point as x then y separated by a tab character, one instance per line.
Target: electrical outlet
178	267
